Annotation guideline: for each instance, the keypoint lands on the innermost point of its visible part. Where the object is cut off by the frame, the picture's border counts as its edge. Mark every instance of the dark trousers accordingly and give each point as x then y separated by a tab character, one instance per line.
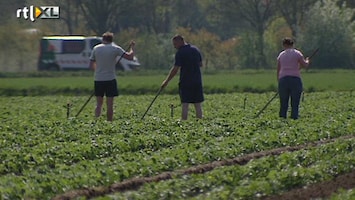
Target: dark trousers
290	86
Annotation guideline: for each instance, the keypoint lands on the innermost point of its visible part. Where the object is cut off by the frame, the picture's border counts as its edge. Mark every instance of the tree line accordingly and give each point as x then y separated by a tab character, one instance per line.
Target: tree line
232	34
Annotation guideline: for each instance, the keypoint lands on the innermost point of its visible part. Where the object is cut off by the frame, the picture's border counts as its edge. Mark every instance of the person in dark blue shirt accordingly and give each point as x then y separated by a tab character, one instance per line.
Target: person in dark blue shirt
188	60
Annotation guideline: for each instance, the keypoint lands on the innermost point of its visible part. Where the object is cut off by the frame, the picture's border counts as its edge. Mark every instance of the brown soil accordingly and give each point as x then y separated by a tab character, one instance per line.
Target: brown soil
318	190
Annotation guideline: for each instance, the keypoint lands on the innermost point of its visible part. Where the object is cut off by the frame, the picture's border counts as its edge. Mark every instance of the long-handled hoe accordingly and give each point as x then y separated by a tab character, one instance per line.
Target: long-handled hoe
87	101
314	53
150	105
82	107
266	105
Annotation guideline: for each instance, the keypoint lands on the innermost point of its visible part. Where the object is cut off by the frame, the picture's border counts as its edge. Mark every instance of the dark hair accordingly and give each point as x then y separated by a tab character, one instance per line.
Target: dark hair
287	41
178	37
108	37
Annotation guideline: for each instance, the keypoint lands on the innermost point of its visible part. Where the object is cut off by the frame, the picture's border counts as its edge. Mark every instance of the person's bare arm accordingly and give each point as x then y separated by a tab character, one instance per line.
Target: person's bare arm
130	54
173	71
304	63
92	65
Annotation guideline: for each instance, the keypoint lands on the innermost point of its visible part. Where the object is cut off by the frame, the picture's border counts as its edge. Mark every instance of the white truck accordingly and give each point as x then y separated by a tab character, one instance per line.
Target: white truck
72	53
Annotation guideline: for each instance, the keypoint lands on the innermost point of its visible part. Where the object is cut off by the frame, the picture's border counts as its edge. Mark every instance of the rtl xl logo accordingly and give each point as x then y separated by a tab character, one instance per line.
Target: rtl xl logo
42	12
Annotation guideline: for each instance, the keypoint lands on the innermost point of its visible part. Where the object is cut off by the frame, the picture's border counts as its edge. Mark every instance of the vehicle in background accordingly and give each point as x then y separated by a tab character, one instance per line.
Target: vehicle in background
73	53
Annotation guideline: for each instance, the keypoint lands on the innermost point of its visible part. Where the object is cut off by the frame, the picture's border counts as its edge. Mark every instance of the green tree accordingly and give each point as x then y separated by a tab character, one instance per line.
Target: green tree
19	48
348	3
70	14
155	17
8	10
188	13
164	16
207	42
103	15
70	20
258	14
294	13
329	28
154	51
277	30
224	19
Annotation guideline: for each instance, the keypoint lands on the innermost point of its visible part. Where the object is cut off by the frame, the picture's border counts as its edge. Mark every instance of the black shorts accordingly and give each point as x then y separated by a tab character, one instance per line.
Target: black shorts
191	94
106	88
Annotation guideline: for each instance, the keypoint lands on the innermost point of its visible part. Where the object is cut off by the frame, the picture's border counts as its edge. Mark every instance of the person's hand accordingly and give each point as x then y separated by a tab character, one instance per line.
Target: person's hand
132	43
164	84
307	60
307	63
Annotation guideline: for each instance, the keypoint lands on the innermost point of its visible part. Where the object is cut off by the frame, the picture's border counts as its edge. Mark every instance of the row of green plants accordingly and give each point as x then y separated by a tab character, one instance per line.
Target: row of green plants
81	83
259	178
44	153
343	194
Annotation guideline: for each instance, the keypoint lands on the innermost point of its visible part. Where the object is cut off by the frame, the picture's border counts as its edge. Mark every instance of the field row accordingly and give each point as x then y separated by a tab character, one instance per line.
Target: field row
209	168
44	154
259	178
218	83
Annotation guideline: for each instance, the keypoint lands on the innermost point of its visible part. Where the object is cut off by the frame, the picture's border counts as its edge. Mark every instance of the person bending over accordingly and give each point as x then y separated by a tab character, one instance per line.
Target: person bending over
188	60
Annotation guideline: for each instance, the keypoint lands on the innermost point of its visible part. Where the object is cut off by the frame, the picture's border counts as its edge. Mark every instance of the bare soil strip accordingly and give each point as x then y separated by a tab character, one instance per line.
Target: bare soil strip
318	190
135	183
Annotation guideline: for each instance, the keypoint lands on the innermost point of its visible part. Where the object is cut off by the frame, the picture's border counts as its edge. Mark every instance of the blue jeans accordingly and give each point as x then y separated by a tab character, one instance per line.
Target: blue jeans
290	86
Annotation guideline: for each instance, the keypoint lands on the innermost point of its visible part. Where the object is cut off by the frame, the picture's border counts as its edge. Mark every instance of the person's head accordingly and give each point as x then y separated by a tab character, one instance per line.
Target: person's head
178	41
107	37
287	42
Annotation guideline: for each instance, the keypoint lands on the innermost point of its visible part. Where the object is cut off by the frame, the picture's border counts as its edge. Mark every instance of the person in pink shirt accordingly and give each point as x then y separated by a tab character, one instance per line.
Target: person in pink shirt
289	63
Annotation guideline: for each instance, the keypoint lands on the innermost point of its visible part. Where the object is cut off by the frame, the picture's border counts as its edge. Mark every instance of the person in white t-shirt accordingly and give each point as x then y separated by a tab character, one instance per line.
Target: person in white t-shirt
103	60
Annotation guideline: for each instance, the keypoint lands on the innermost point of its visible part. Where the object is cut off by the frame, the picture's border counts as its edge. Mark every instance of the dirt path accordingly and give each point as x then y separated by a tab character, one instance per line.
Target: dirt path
317	190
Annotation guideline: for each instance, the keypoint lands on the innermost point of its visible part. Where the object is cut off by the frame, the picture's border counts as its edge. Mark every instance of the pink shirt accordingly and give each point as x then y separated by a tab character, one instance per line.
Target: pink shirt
289	61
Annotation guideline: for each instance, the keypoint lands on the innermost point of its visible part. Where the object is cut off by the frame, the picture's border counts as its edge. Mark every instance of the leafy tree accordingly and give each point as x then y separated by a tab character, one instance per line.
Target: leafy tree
231	34
102	15
207	42
330	28
246	50
348	3
228	58
259	14
70	20
8	10
188	13
69	13
277	30
156	17
294	13
224	19
18	54
155	51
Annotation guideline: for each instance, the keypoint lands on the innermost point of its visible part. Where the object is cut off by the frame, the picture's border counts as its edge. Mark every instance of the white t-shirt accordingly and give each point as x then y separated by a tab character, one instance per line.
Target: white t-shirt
105	57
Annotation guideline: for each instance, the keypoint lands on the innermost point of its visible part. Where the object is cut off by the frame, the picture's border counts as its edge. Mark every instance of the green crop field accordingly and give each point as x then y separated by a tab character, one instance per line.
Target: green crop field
230	154
133	83
44	154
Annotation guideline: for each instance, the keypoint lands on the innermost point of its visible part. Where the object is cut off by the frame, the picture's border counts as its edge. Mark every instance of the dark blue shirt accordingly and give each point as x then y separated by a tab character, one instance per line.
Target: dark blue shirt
188	58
